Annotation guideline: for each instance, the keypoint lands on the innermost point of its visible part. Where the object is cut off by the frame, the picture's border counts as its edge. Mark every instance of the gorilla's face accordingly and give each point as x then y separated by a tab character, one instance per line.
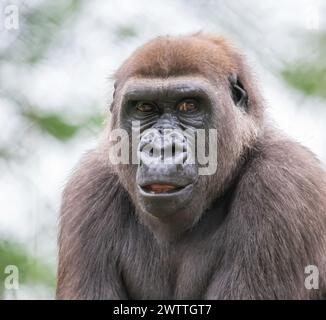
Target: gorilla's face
170	178
169	113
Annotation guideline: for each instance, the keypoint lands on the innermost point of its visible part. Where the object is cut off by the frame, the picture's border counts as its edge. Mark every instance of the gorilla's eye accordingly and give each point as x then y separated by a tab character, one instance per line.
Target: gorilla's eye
188	105
145	106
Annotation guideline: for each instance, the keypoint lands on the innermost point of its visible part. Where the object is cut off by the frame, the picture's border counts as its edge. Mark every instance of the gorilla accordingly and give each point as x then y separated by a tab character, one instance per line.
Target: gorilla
246	228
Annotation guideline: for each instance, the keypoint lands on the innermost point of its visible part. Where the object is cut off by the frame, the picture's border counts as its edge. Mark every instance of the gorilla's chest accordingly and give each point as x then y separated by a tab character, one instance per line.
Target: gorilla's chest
153	272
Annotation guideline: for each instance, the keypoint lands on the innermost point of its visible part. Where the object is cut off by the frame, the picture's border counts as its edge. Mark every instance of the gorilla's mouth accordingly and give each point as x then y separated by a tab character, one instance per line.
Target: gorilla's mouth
164	198
157	188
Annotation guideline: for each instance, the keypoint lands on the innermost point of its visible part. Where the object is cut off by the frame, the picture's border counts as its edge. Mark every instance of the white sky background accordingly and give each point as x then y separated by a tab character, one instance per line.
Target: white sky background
77	70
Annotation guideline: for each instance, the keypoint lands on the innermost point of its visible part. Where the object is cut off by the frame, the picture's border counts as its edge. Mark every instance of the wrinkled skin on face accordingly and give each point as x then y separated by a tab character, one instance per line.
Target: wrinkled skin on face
164	189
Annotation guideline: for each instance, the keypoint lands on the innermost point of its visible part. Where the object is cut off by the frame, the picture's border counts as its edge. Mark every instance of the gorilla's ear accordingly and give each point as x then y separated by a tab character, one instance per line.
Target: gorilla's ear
111	107
238	92
113	95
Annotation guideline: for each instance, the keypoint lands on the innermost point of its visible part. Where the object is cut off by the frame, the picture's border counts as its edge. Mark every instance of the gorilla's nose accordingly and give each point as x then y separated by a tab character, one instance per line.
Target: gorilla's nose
166	146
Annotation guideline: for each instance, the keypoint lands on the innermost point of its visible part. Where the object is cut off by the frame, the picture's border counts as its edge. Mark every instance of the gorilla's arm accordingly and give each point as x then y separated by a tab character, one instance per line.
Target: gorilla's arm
275	227
92	200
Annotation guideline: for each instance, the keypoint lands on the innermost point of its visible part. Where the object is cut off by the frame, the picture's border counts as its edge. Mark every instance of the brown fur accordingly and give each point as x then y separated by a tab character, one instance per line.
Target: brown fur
260	219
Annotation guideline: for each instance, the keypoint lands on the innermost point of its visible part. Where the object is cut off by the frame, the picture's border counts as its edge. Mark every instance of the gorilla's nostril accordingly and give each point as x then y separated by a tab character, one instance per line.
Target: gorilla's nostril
173	149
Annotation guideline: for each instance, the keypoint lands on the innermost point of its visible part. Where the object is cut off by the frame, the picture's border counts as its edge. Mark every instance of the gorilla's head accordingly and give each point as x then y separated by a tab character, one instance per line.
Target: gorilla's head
177	89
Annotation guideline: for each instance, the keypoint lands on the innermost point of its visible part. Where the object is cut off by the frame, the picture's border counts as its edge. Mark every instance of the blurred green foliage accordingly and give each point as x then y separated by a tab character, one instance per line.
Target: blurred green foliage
31	271
55	125
310	79
309	75
125	32
41	30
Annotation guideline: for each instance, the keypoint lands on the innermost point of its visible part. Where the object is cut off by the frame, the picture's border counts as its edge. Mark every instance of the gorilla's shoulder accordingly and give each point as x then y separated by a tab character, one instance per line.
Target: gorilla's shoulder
283	169
93	184
91	173
276	149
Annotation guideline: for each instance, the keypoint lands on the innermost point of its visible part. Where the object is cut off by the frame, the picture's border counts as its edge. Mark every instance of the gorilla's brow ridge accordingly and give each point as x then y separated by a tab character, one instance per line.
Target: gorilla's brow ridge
177	88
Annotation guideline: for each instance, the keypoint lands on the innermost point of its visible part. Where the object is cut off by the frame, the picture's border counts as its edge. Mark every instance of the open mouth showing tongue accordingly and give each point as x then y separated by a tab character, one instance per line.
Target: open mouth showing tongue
161	188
